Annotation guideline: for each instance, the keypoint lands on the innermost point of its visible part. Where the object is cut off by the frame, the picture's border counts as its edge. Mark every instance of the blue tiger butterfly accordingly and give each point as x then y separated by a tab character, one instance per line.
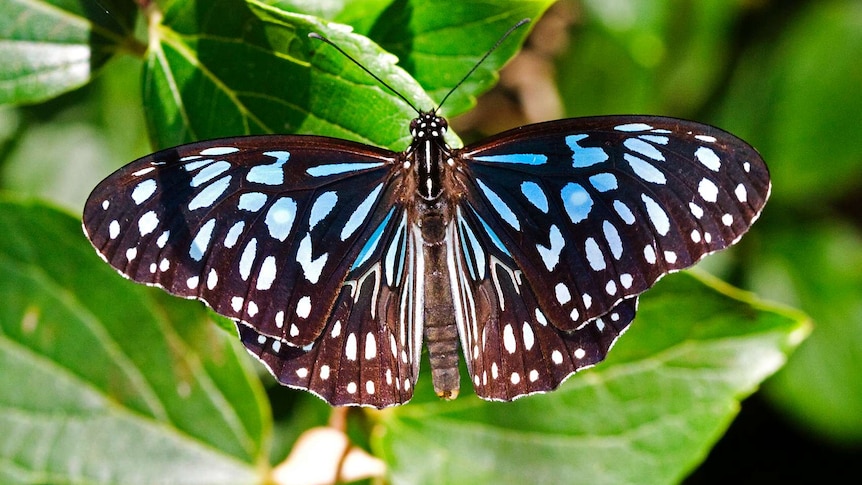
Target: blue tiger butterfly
527	250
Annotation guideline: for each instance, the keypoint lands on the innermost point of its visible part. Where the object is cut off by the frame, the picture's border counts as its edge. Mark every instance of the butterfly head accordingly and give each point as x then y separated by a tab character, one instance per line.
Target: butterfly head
428	126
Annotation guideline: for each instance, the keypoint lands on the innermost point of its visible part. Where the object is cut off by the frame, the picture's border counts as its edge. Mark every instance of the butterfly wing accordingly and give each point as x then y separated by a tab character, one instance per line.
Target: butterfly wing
266	230
565	223
511	347
369	352
596	210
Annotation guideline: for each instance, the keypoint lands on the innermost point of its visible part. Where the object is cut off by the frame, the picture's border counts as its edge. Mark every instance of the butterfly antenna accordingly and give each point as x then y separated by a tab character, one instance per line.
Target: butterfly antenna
491	50
315	35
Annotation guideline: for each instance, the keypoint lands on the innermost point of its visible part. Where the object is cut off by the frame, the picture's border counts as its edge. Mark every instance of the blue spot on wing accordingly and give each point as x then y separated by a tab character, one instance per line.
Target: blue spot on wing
604	182
535	195
272	174
577	202
584	156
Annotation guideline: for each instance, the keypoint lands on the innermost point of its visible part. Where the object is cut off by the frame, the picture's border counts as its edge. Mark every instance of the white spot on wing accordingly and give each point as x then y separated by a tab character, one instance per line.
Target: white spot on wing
144	191
708	190
529	337
212	279
209	172
113	229
556	357
266	276
499	205
211	193
594	255
613	239
350	347
147	223
657	215
649	254
233	234
562	293
201	242
303	307
247	259
252	201
370	346
311	268
509	339
741	193
322	206
360	214
280	217
708	158
236	303
551	256
215	151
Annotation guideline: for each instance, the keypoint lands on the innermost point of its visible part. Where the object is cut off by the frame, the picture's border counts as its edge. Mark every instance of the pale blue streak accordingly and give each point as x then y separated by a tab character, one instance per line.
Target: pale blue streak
519	158
500	206
372	243
339	168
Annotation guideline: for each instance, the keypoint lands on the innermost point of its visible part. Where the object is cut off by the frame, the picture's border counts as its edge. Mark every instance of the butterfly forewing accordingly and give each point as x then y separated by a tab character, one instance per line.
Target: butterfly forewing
263	229
595	210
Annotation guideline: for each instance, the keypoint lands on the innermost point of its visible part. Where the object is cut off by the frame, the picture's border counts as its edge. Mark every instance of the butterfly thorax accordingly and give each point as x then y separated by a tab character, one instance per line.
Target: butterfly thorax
433	202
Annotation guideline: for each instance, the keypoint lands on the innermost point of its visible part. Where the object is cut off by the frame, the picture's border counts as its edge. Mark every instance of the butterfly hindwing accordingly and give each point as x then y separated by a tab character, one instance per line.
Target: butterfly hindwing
511	347
369	352
595	210
263	229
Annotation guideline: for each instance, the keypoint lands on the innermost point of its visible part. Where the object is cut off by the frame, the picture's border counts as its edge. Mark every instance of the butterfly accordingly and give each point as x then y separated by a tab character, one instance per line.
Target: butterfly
524	252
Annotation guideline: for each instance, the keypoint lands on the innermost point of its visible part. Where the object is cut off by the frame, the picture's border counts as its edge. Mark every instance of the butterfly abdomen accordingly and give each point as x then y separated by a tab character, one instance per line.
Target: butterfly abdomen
441	334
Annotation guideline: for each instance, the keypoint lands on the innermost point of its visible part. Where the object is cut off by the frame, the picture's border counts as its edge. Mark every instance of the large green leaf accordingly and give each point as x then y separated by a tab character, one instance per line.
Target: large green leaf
53	46
436	41
109	382
649	414
252	68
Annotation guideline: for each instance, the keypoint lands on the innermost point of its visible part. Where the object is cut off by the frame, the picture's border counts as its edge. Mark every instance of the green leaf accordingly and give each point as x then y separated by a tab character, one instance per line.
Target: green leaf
819	268
649	414
254	69
105	381
437	50
51	47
